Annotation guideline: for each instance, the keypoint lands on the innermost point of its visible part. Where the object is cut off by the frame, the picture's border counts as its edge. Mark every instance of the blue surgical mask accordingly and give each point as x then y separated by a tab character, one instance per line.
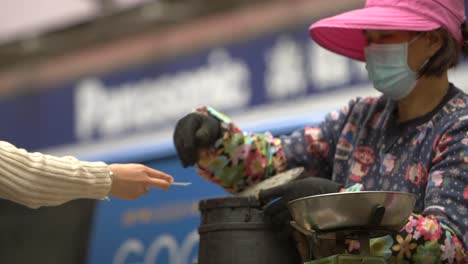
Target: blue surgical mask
387	67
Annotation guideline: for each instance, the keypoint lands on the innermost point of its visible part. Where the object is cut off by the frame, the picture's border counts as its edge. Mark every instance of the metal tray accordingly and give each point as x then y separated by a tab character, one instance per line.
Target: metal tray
373	211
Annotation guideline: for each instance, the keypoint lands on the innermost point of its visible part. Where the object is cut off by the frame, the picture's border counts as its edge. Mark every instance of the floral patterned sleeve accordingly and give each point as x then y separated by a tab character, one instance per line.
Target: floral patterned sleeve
240	159
314	147
424	239
439	234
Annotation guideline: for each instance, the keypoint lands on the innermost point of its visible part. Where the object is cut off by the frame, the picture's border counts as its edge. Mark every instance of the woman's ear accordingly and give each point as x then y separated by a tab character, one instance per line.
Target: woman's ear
434	42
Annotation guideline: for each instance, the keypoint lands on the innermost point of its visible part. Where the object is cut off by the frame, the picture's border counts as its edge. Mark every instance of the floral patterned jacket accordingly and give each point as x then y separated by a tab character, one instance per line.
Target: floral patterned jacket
365	147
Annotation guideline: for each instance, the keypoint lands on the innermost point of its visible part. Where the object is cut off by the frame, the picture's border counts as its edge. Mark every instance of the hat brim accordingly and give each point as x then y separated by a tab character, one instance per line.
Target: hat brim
344	33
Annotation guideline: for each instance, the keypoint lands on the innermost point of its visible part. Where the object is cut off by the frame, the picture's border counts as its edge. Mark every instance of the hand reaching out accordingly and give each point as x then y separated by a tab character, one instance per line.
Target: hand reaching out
131	181
194	133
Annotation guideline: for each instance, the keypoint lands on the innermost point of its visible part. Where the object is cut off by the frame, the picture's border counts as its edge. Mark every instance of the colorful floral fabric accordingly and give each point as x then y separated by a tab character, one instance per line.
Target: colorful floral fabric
365	147
422	240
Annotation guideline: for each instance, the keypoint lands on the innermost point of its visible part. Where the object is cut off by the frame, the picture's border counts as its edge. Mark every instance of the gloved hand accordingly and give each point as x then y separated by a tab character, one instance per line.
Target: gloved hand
278	211
299	188
195	132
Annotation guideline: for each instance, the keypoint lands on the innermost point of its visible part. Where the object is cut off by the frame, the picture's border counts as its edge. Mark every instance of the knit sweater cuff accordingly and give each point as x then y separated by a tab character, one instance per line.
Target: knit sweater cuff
35	179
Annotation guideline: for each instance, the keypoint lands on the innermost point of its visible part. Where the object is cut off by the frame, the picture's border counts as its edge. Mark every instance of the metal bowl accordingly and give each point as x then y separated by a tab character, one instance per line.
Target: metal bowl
368	210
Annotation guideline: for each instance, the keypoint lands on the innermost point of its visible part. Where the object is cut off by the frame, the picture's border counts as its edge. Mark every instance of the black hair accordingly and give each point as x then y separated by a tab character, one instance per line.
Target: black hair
448	55
464	30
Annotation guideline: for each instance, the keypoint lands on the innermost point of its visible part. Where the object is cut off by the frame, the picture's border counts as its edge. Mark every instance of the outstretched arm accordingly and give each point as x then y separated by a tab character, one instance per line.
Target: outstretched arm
240	159
35	179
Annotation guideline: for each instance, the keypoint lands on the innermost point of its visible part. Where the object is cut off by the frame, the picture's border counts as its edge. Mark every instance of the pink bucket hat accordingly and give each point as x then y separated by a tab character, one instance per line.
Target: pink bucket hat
343	33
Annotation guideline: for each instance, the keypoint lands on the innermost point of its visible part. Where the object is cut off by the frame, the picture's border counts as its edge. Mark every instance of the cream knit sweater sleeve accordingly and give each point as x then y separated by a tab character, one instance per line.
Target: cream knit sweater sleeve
35	179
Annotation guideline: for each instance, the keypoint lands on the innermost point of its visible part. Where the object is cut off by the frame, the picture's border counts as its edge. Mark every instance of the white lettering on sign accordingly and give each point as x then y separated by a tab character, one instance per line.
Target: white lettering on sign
327	69
285	69
176	254
224	83
131	246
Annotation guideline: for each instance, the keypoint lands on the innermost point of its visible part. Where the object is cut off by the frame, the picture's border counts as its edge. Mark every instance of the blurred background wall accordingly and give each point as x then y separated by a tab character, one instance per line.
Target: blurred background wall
108	79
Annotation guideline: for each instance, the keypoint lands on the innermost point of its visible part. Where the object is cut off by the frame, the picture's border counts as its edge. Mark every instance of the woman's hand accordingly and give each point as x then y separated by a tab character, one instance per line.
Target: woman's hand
193	133
131	181
300	188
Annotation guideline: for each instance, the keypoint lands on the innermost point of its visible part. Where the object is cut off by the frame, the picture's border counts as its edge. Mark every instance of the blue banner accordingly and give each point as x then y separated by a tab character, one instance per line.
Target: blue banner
238	77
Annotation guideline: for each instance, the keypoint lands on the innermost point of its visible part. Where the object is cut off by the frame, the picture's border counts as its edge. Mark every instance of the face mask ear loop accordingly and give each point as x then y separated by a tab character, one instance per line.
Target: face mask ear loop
426	61
424	64
415	38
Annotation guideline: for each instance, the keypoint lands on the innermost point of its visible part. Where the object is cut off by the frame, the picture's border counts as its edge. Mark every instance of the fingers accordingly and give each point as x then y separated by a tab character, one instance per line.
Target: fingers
278	215
159	175
179	144
276	207
158	183
184	138
267	195
209	132
189	147
202	137
158	179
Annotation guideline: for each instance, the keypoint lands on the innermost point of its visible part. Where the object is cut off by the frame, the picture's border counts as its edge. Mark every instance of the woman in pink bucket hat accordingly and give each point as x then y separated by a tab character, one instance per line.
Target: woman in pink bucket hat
413	138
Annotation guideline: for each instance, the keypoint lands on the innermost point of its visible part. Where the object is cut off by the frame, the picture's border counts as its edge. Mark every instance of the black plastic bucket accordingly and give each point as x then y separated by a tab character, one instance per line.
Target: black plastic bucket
234	231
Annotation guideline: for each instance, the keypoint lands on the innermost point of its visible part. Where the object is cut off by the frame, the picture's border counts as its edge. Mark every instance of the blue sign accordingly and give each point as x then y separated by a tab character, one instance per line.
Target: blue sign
162	227
234	78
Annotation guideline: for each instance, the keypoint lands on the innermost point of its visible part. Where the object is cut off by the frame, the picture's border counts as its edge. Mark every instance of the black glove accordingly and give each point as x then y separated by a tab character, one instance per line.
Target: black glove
278	211
299	188
194	132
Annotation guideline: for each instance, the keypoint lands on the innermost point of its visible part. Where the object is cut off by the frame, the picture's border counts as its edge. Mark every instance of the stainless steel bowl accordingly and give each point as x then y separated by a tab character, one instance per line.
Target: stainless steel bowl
353	211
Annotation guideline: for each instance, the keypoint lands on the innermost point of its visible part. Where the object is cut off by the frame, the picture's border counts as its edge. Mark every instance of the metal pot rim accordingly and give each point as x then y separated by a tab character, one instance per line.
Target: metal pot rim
351	193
